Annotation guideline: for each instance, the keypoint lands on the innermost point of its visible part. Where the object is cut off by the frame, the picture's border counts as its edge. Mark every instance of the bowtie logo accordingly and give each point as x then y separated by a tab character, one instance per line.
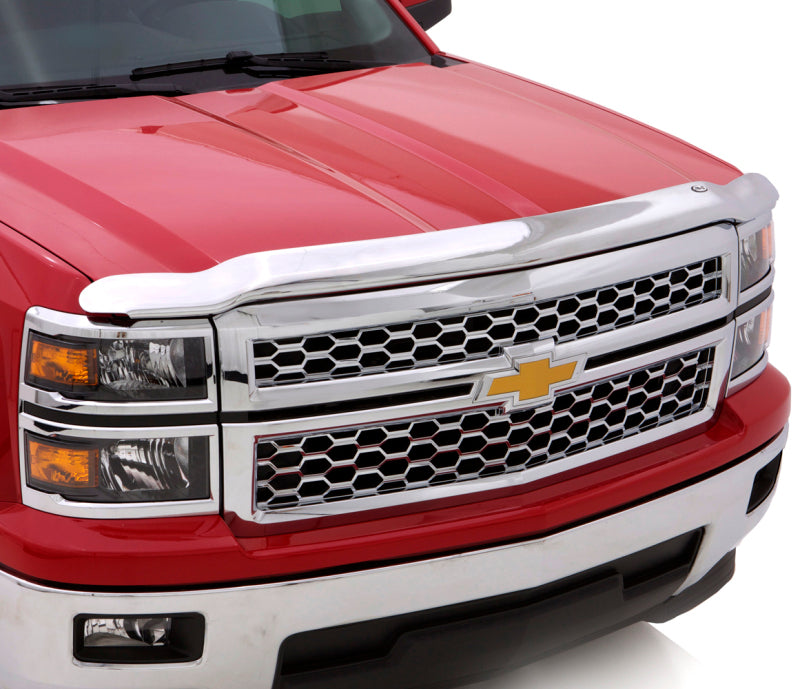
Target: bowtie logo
533	381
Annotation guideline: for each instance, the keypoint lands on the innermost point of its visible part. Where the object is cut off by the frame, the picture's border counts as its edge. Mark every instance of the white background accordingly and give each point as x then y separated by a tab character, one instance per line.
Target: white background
722	75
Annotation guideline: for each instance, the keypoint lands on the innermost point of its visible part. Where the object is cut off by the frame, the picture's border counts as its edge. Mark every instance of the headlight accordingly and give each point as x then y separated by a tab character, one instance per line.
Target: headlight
118	420
114	470
752	339
117	369
756	255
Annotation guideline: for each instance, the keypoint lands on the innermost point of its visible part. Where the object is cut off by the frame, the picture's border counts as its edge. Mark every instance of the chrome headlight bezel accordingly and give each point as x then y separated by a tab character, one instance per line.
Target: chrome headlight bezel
756	254
53	501
119	470
751	341
46	323
756	274
60	416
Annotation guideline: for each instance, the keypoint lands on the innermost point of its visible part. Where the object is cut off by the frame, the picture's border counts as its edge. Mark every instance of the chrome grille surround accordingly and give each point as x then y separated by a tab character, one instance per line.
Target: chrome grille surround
359	462
401	397
466	337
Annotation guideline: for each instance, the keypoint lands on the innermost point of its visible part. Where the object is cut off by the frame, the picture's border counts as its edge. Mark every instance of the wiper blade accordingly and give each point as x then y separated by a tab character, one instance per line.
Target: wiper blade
67	92
259	65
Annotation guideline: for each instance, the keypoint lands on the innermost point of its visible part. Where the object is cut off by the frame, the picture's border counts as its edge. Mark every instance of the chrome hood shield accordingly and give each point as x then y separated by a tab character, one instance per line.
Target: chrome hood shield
445	255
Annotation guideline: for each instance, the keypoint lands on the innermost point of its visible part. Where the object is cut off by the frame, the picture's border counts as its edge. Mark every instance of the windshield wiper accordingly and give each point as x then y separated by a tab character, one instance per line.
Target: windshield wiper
66	92
259	65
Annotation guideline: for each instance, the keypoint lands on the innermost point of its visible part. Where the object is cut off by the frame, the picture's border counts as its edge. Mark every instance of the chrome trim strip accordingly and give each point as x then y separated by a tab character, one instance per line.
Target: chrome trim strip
56	323
336	268
239	439
761	287
55	504
270	613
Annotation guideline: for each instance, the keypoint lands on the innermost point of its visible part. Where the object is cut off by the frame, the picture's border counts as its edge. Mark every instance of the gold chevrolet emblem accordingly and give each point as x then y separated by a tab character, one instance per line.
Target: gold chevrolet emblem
533	380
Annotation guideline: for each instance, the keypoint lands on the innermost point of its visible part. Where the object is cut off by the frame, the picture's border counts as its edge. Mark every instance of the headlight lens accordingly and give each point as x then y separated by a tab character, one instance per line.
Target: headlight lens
113	471
118	369
752	339
756	255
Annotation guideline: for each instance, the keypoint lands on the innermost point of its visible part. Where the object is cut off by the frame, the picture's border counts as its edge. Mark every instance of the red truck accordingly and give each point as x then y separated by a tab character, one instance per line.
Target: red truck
332	360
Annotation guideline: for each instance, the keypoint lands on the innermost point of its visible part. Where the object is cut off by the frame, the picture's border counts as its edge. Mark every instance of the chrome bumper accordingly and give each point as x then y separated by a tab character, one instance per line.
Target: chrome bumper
246	625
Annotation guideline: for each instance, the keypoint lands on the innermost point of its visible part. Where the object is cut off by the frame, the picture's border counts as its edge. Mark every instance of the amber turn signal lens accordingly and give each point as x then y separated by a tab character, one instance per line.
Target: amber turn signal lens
58	365
57	466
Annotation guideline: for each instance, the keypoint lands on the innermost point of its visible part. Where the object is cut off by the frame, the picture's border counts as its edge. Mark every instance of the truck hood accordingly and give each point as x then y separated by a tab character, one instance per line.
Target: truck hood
153	184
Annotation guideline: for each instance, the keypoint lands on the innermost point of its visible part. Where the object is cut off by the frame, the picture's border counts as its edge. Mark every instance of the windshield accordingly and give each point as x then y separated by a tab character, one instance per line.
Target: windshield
93	43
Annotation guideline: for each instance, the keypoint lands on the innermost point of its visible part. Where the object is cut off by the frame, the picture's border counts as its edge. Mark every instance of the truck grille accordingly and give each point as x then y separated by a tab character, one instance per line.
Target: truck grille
477	335
344	464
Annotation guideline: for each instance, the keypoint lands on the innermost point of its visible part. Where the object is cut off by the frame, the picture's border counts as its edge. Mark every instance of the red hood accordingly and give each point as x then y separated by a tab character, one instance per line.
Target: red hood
152	184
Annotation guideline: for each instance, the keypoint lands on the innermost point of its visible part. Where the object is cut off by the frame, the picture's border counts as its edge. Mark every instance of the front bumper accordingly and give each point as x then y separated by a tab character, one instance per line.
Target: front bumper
246	626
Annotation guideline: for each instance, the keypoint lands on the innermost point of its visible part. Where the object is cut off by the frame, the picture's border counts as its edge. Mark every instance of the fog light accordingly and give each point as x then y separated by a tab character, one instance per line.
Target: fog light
127	639
126	631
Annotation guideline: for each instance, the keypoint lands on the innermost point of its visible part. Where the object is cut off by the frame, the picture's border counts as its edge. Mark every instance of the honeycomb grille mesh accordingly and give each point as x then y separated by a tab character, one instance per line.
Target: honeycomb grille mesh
417	344
345	464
